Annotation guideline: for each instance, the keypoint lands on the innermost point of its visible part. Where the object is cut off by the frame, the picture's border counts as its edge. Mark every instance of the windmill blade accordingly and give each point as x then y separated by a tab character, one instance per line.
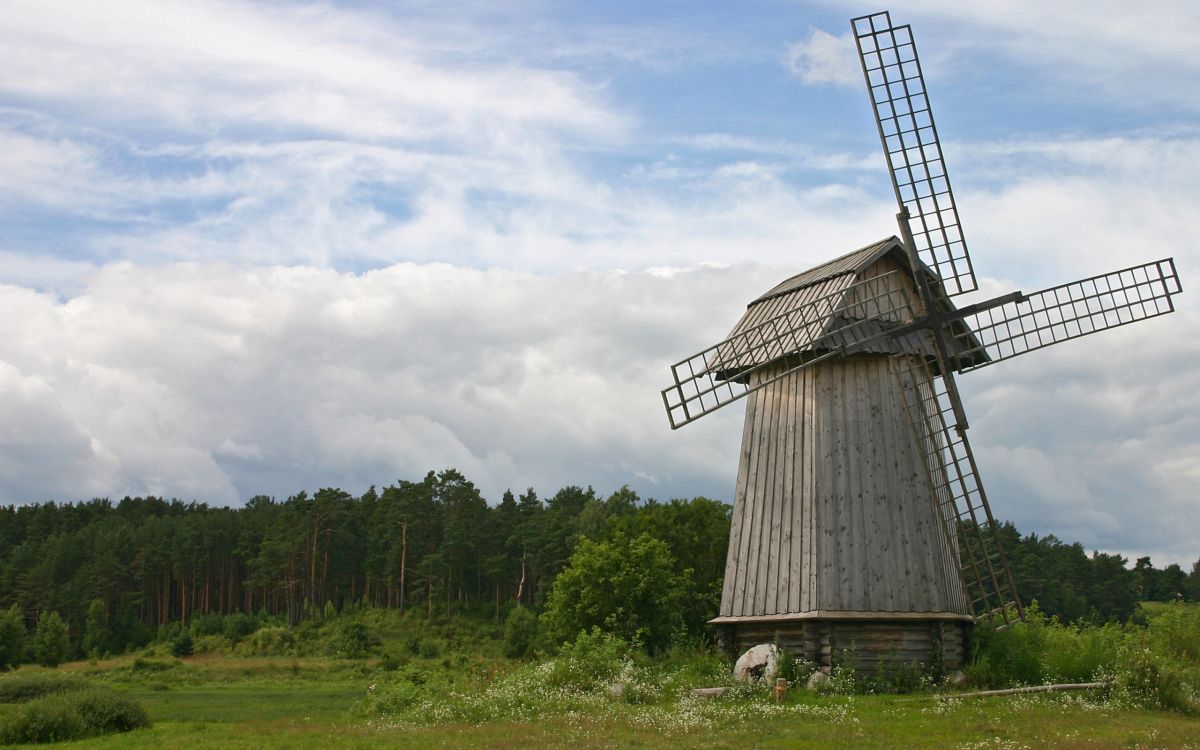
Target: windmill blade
847	320
910	142
960	502
1069	311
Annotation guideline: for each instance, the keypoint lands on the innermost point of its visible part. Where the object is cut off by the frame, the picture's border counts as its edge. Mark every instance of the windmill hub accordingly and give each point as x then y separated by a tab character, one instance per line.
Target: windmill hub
860	528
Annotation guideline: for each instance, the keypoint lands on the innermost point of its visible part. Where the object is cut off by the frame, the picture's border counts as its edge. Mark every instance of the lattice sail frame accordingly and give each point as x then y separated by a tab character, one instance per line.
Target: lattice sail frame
1069	311
914	154
960	501
839	323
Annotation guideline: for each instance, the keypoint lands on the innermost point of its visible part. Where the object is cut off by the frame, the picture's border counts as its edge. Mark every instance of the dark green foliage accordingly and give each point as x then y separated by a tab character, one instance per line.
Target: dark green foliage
86	711
520	630
209	623
119	572
105	711
19	688
237	626
592	661
697	534
1042	650
354	640
626	587
43	720
12	638
51	642
96	635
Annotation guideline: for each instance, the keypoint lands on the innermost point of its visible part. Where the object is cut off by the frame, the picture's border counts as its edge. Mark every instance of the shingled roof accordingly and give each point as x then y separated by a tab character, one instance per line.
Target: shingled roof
817	304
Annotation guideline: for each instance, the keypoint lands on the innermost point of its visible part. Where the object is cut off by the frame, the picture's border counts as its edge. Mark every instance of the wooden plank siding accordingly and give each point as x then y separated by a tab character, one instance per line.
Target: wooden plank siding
867	645
833	501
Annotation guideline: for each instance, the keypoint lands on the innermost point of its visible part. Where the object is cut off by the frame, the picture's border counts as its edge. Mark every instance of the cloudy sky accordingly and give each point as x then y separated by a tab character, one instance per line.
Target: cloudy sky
258	247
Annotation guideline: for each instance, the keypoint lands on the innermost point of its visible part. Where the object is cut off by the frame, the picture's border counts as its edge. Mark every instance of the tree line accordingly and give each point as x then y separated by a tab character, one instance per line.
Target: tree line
434	548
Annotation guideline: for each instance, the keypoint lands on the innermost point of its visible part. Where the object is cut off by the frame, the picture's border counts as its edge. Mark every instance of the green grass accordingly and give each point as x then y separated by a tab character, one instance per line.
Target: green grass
224	702
449	687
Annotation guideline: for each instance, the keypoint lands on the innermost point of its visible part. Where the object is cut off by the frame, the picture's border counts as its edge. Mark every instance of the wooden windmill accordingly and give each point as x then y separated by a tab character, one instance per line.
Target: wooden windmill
859	521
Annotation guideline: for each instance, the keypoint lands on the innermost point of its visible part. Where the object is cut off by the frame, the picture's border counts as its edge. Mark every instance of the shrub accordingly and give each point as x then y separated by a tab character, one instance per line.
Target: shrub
269	641
43	720
105	711
429	648
353	640
208	623
51	642
238	626
97	637
12	637
592	661
520	630
623	586
88	711
20	688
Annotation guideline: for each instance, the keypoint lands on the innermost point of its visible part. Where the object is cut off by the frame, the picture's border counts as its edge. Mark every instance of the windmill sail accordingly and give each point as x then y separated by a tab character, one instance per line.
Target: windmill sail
910	142
962	506
850	318
1072	310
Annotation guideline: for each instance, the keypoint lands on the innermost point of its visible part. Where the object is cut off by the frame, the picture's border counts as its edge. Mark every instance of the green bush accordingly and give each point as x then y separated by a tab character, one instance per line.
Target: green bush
429	648
97	637
51	642
208	623
239	625
592	661
520	630
353	640
273	640
105	711
12	637
85	712
48	719
19	688
624	586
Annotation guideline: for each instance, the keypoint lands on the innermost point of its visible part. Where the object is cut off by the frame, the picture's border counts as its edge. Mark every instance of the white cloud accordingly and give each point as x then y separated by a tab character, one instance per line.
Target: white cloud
825	59
212	65
212	382
1136	53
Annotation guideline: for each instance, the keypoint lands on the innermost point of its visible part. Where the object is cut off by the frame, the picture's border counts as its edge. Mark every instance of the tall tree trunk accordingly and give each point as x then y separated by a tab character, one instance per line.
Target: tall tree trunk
403	559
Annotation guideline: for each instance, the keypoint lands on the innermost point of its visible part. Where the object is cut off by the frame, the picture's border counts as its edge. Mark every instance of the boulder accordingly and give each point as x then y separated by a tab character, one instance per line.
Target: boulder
760	663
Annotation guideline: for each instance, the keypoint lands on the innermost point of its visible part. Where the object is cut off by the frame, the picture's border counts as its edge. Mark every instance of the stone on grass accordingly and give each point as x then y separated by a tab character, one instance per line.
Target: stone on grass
758	664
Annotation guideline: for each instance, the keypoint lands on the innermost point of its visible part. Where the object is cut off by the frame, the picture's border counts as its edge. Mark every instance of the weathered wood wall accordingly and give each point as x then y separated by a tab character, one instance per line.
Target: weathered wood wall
866	645
833	508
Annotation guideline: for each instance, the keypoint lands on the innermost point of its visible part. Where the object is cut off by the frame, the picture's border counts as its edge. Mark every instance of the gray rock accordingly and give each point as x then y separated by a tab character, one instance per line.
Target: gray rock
760	664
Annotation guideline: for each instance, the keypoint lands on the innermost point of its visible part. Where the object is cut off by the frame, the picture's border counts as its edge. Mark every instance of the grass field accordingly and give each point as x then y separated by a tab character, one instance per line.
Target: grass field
229	702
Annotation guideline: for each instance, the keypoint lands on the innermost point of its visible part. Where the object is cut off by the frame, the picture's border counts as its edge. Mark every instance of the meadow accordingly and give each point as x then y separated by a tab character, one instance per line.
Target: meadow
448	685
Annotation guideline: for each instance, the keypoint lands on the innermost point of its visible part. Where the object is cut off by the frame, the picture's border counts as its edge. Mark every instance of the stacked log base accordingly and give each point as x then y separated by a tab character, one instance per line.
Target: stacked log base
870	646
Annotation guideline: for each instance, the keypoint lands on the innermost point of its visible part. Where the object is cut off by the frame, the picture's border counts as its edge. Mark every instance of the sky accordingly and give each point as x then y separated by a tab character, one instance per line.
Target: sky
261	247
